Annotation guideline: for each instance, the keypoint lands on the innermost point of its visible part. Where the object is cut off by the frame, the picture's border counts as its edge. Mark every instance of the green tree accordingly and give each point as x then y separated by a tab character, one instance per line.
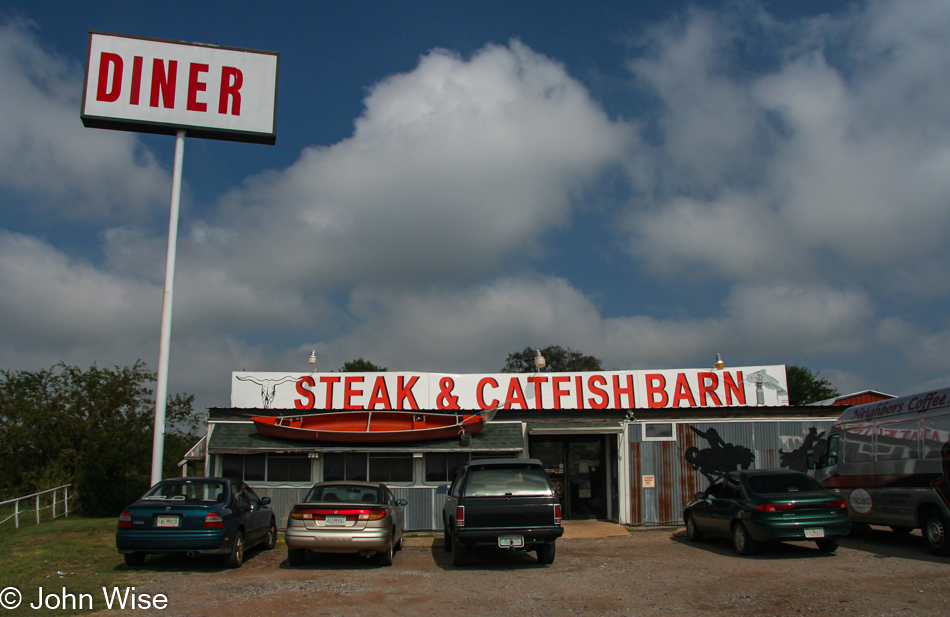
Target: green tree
90	428
806	386
557	360
361	366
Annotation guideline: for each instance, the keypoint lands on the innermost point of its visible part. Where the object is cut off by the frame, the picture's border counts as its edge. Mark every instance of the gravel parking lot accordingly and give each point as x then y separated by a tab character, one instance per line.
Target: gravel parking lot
654	572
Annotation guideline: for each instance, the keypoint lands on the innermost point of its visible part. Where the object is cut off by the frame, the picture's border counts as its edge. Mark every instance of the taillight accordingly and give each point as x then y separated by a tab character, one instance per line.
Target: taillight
213	521
300	513
773	507
125	520
837	503
460	516
557	514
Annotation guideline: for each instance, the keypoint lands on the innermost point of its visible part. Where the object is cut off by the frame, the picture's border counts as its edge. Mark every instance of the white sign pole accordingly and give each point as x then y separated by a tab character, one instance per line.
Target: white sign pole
161	389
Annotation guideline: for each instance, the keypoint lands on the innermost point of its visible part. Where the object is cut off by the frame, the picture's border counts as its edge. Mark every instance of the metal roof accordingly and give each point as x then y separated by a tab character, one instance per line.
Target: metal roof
243	438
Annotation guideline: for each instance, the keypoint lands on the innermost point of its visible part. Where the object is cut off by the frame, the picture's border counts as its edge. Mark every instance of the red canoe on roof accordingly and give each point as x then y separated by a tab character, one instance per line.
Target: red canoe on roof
372	426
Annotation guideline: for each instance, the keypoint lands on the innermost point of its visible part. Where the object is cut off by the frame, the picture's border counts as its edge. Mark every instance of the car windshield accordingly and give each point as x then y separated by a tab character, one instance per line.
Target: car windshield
501	481
187	491
343	493
777	484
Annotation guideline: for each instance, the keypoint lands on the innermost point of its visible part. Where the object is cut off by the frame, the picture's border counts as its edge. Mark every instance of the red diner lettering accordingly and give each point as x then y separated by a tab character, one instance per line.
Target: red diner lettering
379	395
404	392
515	394
195	86
708	382
163	83
109	92
656	384
683	392
349	391
330	381
136	80
734	387
231	81
618	392
480	392
597	391
306	393
537	380
558	393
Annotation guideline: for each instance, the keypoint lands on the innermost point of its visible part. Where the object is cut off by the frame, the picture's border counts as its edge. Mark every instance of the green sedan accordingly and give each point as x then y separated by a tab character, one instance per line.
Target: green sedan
765	505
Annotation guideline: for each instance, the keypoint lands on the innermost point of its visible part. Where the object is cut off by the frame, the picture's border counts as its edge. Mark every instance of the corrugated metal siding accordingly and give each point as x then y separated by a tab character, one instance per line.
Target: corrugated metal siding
676	478
424	511
282	500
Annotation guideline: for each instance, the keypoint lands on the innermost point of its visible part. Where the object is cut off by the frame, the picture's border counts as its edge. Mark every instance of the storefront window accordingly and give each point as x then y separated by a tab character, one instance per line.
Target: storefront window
390	467
288	468
349	466
247	467
441	466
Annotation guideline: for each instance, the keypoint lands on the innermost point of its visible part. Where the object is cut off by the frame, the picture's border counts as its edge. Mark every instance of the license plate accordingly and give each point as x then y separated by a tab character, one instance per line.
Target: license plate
167	521
510	541
814	533
336	520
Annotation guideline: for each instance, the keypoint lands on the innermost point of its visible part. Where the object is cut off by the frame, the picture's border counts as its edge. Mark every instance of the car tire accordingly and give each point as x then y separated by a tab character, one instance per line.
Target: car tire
446	538
901	529
296	557
235	558
385	558
827	545
459	553
742	542
271	541
546	553
935	530
692	529
134	559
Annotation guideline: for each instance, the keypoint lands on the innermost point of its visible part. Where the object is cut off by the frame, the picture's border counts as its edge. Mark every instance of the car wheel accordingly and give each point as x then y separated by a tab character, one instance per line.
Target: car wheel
296	557
236	557
901	529
385	558
827	545
271	540
692	529
742	542
446	538
935	532
546	553
459	553
134	559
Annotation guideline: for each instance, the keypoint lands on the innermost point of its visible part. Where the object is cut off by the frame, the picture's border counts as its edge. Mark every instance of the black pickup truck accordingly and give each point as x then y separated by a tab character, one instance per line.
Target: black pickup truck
501	504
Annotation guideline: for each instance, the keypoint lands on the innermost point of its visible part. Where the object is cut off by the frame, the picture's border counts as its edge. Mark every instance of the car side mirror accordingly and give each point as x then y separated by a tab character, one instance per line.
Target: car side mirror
265	501
402	502
699	496
810	457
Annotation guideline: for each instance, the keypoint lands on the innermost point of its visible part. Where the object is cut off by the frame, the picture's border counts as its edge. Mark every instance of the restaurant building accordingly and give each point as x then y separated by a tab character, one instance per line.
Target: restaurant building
625	446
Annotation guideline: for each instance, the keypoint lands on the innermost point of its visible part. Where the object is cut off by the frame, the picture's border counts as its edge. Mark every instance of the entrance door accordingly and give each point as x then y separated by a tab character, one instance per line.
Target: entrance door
586	478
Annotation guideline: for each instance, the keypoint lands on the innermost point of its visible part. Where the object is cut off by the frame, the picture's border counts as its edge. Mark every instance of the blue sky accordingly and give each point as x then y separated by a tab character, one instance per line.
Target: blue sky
651	183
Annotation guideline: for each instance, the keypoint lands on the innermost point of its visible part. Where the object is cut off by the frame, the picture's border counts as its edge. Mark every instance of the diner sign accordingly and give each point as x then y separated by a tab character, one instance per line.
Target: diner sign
160	86
408	391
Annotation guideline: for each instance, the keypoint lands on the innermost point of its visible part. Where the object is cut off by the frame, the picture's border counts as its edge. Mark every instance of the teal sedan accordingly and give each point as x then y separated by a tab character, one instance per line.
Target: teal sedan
765	505
197	516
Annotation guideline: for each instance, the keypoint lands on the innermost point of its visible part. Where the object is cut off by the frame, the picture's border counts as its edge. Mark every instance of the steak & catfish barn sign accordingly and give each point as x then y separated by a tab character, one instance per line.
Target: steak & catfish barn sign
686	388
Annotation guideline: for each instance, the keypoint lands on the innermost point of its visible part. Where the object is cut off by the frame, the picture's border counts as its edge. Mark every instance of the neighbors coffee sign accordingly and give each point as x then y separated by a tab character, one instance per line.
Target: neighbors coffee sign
746	386
159	86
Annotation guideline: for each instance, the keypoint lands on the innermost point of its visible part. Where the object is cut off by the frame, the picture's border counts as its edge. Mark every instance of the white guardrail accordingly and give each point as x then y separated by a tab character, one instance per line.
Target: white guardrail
17	511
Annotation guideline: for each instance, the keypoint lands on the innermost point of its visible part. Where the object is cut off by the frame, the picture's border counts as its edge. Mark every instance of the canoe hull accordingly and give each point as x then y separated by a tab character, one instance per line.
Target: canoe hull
369	426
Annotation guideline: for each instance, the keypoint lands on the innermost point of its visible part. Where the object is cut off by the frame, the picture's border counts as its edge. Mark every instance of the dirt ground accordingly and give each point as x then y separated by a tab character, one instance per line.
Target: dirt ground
655	572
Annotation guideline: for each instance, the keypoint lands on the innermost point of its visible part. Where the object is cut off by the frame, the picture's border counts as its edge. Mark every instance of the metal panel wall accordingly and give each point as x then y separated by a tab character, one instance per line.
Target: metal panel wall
424	511
683	467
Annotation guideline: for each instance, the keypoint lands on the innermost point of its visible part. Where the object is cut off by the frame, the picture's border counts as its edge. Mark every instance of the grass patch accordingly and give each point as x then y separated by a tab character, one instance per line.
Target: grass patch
76	553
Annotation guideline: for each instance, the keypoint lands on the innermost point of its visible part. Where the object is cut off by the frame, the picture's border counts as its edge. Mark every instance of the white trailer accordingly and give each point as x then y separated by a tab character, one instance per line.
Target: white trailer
891	461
